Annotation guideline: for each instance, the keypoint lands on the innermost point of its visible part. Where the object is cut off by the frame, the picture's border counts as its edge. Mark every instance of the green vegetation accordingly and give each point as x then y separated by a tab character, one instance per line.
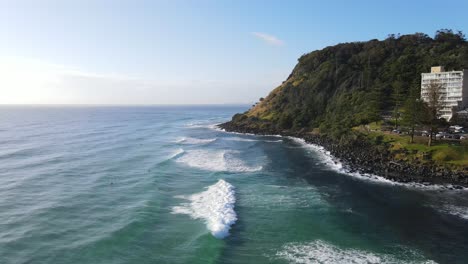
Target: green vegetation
414	113
442	152
351	84
373	84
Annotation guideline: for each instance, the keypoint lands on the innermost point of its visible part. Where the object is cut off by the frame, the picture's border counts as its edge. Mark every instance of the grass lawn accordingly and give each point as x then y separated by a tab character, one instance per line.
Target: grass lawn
442	151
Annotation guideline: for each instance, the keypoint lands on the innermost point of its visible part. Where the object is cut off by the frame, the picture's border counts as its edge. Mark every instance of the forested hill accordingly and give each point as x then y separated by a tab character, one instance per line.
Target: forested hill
350	84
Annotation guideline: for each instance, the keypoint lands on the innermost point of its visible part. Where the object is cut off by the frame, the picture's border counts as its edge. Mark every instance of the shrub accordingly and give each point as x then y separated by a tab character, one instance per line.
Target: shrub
239	117
447	154
379	139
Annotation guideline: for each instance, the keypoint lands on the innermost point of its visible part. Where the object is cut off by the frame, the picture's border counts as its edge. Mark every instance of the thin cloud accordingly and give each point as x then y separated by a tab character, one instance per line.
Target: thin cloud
269	39
34	81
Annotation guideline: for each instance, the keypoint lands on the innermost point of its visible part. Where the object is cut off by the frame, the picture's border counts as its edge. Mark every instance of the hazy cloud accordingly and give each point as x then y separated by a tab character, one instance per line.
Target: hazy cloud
29	81
269	39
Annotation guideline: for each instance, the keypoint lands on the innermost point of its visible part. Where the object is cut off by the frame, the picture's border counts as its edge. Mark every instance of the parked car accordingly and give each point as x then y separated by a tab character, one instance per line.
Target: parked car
456	128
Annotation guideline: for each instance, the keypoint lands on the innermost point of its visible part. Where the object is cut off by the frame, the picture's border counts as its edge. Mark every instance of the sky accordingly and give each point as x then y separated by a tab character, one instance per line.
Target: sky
185	52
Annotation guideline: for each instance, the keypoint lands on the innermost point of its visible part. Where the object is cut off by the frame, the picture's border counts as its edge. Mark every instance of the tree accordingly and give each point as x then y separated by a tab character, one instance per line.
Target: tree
359	81
449	36
374	102
285	121
397	97
435	104
414	114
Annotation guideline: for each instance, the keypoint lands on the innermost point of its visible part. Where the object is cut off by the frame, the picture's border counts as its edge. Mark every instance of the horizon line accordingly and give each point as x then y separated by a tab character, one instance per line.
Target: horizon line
142	105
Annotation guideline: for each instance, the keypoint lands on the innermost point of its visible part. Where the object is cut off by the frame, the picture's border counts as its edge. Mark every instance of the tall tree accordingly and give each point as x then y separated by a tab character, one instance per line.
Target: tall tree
414	113
397	97
434	105
373	109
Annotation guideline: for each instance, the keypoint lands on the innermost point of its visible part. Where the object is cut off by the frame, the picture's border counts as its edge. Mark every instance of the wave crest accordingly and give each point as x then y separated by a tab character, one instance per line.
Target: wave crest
194	141
215	206
176	153
216	161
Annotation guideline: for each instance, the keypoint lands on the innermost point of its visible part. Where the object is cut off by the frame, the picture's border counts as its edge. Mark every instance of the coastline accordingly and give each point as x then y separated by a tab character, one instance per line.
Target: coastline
361	157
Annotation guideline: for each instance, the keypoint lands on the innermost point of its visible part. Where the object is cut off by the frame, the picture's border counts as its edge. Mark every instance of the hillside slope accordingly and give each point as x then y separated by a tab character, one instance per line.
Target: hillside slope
350	84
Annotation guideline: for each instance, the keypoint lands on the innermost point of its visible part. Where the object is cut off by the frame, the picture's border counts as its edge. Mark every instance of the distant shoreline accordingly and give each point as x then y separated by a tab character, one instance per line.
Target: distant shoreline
125	105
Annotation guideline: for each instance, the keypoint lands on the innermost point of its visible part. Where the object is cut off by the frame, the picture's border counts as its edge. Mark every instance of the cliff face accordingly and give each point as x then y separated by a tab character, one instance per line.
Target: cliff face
351	84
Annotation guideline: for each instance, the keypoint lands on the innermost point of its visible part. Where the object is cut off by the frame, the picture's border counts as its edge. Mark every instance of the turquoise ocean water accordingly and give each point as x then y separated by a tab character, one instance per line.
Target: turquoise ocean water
162	185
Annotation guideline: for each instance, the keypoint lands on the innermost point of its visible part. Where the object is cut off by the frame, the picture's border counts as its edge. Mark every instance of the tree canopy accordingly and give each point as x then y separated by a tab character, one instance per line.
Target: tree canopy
354	83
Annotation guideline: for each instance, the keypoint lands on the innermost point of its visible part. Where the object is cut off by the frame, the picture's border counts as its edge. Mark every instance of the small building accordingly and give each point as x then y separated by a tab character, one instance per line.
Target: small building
454	89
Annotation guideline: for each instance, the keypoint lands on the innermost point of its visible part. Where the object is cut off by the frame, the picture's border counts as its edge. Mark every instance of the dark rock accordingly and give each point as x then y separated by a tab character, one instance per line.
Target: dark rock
362	156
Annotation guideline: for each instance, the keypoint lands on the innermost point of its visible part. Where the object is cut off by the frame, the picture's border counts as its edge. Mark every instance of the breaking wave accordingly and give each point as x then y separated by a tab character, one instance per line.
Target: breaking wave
216	161
194	141
176	153
215	206
212	126
320	252
252	140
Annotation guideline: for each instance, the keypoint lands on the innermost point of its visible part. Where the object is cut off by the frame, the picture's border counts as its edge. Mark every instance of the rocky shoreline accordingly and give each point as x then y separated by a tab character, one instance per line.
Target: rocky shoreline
363	157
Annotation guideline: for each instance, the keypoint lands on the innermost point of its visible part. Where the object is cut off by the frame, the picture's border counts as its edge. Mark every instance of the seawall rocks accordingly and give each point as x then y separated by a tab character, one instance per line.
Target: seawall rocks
361	156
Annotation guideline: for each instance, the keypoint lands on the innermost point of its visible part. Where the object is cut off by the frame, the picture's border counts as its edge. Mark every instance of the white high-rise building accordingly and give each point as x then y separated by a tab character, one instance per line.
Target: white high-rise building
454	89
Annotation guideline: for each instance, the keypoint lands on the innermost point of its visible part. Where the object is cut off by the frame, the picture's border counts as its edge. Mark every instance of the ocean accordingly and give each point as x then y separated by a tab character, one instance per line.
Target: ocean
160	184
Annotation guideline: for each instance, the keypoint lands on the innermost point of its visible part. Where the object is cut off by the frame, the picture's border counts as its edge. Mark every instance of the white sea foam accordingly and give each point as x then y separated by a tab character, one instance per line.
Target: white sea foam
194	141
334	164
252	139
241	139
212	126
215	206
274	141
216	127
320	252
216	161
459	211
